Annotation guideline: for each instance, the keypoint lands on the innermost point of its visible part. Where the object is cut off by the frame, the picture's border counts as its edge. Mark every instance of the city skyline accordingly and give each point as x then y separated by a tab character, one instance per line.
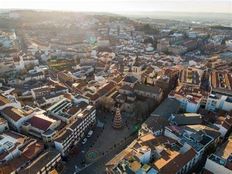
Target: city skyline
207	6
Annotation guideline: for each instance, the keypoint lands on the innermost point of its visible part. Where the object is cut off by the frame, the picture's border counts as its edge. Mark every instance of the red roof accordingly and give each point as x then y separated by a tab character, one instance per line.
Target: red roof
39	123
106	89
33	150
226	122
13	113
92	97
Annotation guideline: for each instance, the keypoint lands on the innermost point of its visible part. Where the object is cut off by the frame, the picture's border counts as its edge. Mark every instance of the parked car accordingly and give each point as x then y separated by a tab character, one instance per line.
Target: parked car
90	133
84	141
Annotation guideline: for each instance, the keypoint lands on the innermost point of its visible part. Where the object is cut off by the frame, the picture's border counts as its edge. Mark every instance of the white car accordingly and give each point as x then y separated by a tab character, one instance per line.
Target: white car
84	141
90	133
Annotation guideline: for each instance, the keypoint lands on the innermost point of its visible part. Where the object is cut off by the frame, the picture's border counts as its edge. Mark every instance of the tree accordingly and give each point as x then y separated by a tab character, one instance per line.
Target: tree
151	104
148	29
107	103
141	110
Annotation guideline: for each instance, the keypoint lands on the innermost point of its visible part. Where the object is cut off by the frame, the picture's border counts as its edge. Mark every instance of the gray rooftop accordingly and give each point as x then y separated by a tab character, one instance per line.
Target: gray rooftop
166	108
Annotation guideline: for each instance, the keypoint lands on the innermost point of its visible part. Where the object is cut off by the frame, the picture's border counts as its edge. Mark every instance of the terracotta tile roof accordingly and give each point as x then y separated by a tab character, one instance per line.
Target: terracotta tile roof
195	93
92	97
162	140
40	123
221	80
190	75
126	87
53	172
146	88
16	135
13	113
165	159
3	100
60	86
149	70
170	72
18	162
68	96
5	169
33	150
65	77
73	110
106	89
178	162
227	122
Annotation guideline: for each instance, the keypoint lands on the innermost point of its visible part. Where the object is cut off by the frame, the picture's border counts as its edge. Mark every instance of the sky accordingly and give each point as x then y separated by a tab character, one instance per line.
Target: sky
216	6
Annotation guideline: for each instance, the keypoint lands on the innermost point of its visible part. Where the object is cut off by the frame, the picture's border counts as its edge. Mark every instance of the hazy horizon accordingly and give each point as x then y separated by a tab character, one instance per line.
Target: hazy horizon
122	6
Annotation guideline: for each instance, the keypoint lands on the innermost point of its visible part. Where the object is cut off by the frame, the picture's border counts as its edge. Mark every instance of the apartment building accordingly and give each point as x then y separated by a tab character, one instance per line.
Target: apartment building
190	97
221	160
221	91
16	117
79	119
